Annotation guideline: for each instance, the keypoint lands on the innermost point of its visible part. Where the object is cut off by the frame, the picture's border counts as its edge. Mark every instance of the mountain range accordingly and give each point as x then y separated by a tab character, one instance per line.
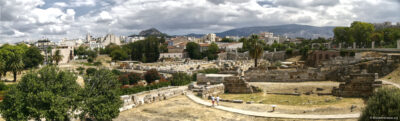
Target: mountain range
289	30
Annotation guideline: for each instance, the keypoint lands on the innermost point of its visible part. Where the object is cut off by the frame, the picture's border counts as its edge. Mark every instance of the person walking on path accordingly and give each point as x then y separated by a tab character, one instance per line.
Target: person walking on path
212	100
218	100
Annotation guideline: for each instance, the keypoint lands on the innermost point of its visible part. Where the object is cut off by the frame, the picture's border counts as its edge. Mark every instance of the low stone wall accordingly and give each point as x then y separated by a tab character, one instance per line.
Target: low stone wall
285	75
207	91
203	79
359	85
134	100
235	84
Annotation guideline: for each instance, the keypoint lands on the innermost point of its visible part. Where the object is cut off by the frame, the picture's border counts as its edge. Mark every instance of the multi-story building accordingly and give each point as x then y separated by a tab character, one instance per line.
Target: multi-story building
269	38
209	38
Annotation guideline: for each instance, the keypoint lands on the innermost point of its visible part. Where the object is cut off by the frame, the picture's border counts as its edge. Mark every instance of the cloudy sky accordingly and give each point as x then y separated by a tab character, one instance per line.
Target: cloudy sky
57	19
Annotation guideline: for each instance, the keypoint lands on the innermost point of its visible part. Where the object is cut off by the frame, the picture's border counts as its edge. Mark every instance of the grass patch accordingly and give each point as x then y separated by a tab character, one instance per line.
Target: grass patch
303	100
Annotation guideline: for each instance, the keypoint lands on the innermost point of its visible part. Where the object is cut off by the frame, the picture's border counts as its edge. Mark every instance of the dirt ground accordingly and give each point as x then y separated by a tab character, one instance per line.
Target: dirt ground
183	109
298	87
394	76
291	104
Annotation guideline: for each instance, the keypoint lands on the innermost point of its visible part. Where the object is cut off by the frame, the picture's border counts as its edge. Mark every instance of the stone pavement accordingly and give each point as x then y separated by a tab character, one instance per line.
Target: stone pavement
271	115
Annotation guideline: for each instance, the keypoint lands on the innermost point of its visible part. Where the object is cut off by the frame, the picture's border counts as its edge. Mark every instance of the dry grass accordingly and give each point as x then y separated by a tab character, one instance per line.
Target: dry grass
183	109
394	76
303	100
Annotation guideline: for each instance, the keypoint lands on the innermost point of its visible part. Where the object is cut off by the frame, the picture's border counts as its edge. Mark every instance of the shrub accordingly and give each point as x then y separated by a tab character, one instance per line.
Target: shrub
124	79
151	75
80	69
90	71
179	79
384	103
134	78
3	86
90	60
116	72
352	53
97	63
194	76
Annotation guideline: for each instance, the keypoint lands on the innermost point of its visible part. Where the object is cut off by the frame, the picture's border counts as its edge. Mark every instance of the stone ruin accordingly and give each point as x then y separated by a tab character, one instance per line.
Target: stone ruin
146	97
359	85
235	84
208	90
214	84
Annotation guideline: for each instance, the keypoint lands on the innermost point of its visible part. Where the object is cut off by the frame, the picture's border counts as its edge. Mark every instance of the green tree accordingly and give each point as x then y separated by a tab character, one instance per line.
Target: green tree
32	58
212	52
147	50
384	103
13	58
2	67
361	32
101	101
255	48
48	93
245	46
110	48
193	50
119	54
57	57
179	79
227	40
377	37
151	75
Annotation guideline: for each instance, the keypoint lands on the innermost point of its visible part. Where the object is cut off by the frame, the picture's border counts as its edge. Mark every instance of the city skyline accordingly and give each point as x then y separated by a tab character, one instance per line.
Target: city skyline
57	19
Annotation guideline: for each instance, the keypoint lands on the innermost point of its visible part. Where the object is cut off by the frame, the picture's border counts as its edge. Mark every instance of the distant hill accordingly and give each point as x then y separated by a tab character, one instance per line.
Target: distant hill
290	30
150	32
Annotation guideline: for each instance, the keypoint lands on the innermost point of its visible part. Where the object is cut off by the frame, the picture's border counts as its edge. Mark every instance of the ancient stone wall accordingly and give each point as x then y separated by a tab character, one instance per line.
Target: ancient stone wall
134	100
270	56
274	56
285	75
235	84
204	79
359	85
211	90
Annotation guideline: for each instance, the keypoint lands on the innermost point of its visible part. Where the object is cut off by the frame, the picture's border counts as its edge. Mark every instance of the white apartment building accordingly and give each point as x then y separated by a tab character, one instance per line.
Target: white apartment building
210	38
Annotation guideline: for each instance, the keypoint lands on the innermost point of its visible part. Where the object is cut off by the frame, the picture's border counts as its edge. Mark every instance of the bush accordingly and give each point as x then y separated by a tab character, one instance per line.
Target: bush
97	63
194	76
116	72
80	69
3	86
151	75
179	79
90	71
124	79
90	60
384	103
209	71
134	78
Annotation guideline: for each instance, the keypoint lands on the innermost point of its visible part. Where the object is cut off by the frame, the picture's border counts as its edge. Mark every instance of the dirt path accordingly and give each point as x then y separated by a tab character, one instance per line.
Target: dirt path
273	115
182	108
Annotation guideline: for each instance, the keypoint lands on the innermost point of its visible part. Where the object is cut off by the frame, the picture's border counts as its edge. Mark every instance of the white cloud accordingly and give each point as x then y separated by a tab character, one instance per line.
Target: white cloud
79	3
60	4
25	19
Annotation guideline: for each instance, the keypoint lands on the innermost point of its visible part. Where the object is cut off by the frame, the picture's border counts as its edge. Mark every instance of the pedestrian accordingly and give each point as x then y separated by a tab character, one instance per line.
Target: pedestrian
212	100
218	100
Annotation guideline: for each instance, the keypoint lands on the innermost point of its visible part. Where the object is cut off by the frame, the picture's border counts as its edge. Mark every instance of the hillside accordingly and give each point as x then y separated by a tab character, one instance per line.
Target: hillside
290	30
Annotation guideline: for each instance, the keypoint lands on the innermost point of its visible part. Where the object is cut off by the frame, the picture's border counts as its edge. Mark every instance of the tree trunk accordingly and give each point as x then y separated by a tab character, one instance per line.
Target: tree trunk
255	62
15	76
